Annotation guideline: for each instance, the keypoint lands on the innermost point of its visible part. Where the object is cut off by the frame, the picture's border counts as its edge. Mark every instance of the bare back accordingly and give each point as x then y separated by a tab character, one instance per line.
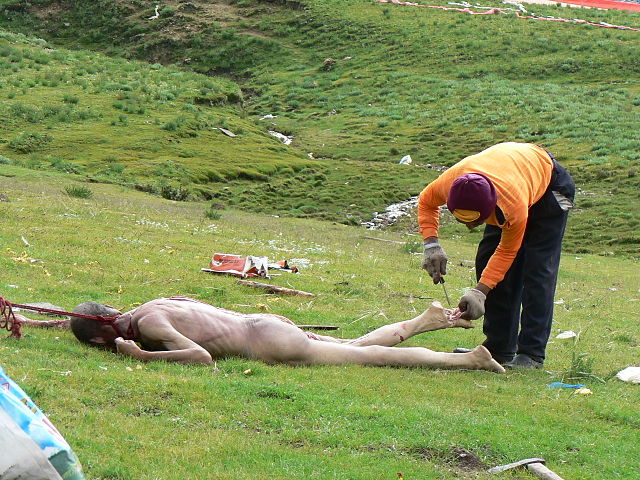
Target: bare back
165	324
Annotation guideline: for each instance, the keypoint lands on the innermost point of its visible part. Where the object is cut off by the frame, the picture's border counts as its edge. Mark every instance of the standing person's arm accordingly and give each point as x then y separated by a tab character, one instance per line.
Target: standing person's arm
434	259
429	203
505	254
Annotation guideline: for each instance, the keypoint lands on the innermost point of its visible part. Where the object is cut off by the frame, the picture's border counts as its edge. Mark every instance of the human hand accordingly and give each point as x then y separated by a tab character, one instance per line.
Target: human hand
472	304
434	261
126	347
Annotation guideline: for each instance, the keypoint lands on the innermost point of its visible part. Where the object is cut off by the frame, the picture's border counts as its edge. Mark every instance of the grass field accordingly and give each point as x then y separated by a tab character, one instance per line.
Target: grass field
118	183
170	421
434	84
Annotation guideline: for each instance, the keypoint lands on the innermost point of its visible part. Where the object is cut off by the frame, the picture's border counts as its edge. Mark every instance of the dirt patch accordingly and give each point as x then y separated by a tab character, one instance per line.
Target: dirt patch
53	10
467	460
457	458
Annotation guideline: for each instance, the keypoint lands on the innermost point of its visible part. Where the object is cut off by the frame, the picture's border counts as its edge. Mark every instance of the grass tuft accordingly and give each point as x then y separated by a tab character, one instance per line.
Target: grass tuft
78	191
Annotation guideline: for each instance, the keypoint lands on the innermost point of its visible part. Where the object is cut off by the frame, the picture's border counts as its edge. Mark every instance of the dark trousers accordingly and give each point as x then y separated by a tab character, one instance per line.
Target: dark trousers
519	310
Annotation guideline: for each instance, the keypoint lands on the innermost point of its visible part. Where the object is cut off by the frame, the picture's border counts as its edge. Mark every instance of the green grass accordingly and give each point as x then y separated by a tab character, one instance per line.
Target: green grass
78	191
171	421
133	107
426	82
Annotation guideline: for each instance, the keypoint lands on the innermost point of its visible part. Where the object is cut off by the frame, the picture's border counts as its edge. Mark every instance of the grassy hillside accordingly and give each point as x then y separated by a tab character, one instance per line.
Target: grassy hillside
434	84
159	420
105	111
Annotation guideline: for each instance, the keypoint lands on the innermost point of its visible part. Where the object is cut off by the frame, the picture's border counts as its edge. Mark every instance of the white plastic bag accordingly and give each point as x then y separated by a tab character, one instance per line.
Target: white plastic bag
629	374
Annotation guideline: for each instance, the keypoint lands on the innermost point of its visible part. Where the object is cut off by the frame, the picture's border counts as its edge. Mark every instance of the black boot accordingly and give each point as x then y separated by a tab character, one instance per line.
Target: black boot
522	361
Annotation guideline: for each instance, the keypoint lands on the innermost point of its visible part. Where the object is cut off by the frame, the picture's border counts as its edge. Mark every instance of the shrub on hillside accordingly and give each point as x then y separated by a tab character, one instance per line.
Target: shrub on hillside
177	193
29	142
78	191
64	166
214	211
70	99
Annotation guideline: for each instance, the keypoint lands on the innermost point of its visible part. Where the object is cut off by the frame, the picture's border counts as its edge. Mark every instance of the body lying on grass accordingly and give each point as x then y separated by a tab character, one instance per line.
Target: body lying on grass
184	330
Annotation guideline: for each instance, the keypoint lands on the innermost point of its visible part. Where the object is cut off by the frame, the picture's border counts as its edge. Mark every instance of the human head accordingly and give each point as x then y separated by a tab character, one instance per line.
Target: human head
472	198
89	330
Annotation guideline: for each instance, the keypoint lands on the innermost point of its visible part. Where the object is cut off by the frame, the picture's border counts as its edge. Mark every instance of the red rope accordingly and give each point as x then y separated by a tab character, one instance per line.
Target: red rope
9	321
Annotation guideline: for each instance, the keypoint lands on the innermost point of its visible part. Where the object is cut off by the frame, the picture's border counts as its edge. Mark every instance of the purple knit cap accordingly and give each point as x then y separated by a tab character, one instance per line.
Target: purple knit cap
472	191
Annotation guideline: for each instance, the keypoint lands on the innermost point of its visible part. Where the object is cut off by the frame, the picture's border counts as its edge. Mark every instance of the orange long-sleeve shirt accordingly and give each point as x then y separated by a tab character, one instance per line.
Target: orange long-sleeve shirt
520	172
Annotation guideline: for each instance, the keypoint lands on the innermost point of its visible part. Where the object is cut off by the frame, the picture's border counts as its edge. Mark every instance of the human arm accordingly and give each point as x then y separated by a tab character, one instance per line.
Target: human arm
429	201
434	259
504	255
178	348
472	302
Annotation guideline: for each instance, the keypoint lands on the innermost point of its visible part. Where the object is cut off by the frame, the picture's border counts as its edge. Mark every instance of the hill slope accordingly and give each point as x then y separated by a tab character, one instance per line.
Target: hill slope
430	83
173	422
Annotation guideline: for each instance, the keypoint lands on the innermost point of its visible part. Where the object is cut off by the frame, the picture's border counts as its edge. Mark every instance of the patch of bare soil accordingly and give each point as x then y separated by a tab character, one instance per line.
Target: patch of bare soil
48	11
466	460
459	459
192	16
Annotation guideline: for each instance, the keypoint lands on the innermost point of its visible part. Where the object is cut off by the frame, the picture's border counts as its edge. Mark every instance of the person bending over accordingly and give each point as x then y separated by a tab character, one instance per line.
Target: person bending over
184	330
523	195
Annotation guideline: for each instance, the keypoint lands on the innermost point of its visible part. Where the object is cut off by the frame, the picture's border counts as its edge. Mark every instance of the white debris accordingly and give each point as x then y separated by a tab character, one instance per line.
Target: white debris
126	240
282	137
392	214
566	334
156	14
151	223
406	160
268	115
24	240
629	374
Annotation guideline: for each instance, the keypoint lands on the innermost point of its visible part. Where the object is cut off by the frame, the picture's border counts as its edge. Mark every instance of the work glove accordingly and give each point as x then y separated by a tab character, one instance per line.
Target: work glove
434	261
472	304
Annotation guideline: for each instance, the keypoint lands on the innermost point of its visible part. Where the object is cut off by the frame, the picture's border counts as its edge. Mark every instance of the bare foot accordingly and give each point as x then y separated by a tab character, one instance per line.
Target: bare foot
483	360
453	316
433	318
436	317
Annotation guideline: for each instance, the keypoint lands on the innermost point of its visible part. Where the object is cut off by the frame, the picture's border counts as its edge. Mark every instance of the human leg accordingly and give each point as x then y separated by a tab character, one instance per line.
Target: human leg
275	342
433	318
502	307
320	353
543	243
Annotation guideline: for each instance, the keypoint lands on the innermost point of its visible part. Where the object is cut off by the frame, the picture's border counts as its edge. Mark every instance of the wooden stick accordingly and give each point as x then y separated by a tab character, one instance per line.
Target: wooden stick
404	295
382	239
541	471
275	288
318	327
